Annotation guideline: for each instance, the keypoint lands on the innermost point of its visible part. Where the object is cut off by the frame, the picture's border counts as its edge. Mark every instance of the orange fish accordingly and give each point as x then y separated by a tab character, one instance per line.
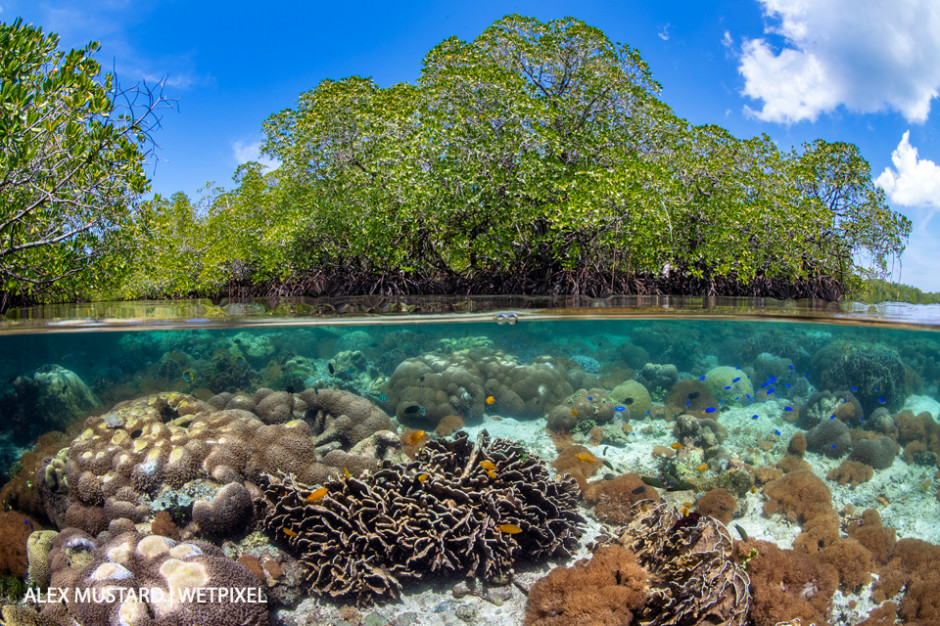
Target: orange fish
509	529
702	467
346	473
586	457
687	505
683	512
574	412
289	532
415	437
676	446
491	473
753	489
490	399
487	465
422	477
317	494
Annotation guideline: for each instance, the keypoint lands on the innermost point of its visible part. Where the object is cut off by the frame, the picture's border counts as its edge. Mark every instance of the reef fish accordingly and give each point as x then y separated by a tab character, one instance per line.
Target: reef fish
289	532
487	465
188	376
586	457
414	437
509	529
317	495
574	412
415	408
676	446
422	477
490	399
702	467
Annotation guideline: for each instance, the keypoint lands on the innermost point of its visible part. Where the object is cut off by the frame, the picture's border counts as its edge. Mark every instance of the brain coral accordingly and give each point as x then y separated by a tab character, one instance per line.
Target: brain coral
132	561
143	446
461	508
427	388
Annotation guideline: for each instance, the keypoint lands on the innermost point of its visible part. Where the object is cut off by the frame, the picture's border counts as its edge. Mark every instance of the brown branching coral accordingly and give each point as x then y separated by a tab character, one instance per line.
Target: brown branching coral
693	578
461	508
604	590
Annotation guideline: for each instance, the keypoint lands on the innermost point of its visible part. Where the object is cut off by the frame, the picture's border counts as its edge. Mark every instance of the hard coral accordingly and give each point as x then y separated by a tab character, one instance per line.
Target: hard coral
578	462
131	561
584	405
693	578
446	513
689	396
15	529
228	514
718	503
604	590
341	416
877	453
851	472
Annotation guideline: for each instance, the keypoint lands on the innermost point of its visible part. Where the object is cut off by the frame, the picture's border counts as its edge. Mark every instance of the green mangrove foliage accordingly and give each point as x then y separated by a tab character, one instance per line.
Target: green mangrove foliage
72	148
537	150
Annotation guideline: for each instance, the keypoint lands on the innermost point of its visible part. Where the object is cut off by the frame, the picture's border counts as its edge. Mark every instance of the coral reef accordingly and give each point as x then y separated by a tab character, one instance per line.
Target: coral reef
132	561
634	397
786	584
729	384
825	405
15	528
585	406
878	453
830	437
851	472
424	389
689	396
52	398
613	499
717	503
578	462
604	590
875	371
128	456
692	576
340	416
658	376
461	508
799	496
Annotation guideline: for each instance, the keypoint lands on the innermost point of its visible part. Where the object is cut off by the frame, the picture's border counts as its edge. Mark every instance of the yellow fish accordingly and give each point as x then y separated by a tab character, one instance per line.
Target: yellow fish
586	457
487	465
188	376
422	477
490	399
491	473
317	494
676	446
702	467
415	437
289	532
509	529
574	412
346	473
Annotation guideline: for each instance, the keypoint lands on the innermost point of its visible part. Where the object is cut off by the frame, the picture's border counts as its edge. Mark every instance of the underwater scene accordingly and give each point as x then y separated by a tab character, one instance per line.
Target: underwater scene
509	469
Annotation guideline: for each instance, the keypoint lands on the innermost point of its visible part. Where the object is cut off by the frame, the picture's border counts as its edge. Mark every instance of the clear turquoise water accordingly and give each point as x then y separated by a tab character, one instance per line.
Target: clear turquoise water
888	355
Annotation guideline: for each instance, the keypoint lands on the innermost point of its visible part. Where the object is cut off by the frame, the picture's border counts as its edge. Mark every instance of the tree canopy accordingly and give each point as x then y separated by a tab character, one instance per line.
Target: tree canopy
536	158
72	147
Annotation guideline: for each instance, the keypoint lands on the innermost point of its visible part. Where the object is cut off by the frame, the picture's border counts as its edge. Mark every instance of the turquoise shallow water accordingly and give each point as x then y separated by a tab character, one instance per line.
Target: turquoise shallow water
688	395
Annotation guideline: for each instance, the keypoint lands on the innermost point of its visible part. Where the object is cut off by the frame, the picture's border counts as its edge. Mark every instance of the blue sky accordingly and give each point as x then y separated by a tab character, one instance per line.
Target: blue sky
861	71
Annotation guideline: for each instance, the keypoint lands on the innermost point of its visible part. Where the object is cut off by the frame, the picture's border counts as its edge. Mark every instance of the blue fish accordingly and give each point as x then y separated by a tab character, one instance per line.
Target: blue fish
728	387
688	403
770	391
754	417
832	417
620	408
777	432
702	378
772	379
854	389
881	400
736	379
710	409
590	399
790	366
789	408
383	398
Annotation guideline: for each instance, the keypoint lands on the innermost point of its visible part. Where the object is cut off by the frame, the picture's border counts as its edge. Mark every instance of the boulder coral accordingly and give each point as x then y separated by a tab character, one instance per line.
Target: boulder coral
128	562
585	406
634	397
729	384
426	388
123	459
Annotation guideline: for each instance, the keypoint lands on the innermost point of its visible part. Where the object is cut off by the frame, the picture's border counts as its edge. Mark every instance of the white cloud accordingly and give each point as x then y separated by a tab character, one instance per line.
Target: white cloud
664	33
245	152
913	182
867	55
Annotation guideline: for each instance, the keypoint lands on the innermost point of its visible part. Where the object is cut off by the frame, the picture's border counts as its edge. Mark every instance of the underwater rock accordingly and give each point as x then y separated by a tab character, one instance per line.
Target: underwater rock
473	509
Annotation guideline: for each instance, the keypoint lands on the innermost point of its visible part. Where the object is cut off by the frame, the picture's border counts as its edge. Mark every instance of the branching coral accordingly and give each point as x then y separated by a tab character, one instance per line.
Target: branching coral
461	508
